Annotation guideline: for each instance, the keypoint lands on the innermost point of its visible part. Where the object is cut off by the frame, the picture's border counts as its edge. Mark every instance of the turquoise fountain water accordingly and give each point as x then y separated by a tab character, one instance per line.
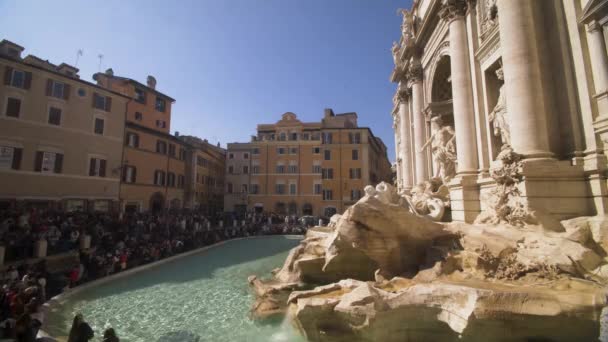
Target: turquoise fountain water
202	297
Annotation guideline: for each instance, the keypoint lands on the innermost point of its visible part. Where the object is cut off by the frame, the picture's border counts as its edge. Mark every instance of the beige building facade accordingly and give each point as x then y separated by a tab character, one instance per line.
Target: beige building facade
299	168
60	136
476	78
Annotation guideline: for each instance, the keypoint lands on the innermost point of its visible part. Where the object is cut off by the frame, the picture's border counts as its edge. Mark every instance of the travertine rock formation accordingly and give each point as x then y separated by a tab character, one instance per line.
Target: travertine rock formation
448	280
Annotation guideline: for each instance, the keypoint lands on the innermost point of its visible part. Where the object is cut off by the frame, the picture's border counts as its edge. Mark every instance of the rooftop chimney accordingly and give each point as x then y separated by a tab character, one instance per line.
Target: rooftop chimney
151	81
109	72
218	144
328	112
176	133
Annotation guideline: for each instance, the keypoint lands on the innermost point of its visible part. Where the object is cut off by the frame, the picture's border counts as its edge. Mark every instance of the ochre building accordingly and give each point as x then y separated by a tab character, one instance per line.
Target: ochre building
304	168
60	137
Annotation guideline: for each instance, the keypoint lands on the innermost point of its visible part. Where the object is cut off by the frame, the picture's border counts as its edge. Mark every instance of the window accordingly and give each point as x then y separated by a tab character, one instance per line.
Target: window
255	169
140	95
354	173
244	188
280	150
132	140
99	126
317	189
17	78
13	107
48	162
160	104
282	136
159	177
102	102
161	124
161	147
316	169
231	156
354	138
57	89
293	169
293	136
229	188
230	169
245	169
355	195
182	154
315	136
97	167
139	116
10	158
327	138
327	173
280	189
255	188
54	116
171	179
293	150
180	181
255	151
305	136
172	150
316	150
129	173
327	154
355	154
82	92
246	155
293	189
280	168
327	195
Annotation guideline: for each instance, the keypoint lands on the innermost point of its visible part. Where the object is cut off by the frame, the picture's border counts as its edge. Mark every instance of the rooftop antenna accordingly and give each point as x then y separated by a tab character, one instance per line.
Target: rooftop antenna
78	54
100	56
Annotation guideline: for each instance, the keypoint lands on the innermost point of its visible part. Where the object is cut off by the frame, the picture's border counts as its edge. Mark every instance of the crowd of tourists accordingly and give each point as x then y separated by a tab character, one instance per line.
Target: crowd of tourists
116	243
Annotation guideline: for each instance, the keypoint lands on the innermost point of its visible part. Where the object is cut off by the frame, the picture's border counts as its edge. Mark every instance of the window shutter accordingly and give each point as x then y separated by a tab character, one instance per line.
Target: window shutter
8	73
93	99
49	87
28	80
124	173
58	162
350	173
102	168
134	174
136	140
38	161
17	158
66	92
108	104
92	167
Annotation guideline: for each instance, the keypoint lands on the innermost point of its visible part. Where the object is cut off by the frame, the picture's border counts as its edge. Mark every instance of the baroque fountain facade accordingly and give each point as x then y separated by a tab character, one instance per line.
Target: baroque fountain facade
495	228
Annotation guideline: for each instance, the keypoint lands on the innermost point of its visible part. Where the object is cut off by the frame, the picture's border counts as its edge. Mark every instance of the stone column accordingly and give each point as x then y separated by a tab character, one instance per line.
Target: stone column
599	64
462	87
527	105
404	132
398	145
415	79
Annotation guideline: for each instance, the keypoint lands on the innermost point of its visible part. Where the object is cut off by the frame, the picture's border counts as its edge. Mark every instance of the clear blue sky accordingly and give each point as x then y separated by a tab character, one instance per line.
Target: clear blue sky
230	64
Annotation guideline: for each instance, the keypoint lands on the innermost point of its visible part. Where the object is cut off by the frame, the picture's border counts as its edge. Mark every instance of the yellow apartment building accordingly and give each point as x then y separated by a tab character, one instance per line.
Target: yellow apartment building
304	168
60	137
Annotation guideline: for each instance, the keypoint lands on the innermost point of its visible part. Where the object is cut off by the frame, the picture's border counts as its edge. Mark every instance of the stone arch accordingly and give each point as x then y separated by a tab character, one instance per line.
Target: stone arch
307	209
330	211
280	208
441	85
442	51
292	208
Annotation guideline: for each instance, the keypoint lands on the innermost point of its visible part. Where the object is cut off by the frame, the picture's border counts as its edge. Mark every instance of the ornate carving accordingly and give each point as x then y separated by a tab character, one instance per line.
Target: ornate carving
489	16
429	198
395	121
505	203
453	9
408	27
395	51
498	116
443	149
403	93
414	72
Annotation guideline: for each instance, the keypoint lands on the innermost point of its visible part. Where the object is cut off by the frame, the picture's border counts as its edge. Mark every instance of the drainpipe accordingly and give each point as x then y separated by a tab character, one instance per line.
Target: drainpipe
122	157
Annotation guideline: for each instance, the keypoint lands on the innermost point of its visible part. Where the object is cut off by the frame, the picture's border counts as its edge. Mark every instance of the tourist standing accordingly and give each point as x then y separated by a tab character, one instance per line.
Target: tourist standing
110	336
81	331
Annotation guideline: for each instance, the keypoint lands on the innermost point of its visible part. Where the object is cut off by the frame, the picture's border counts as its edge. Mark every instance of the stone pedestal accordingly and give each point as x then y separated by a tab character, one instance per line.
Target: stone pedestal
464	198
40	249
85	242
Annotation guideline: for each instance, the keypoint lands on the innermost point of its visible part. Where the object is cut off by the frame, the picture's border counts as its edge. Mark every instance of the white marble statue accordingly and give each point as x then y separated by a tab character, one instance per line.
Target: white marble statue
407	26
395	50
443	150
498	116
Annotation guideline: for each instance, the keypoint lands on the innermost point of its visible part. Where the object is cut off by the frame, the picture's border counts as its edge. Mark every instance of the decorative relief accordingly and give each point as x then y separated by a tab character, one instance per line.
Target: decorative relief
408	27
395	50
488	17
414	72
453	9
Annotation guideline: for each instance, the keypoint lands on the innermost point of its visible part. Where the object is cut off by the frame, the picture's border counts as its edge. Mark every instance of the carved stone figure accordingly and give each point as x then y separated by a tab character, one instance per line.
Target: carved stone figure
430	198
407	26
498	116
395	50
443	149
